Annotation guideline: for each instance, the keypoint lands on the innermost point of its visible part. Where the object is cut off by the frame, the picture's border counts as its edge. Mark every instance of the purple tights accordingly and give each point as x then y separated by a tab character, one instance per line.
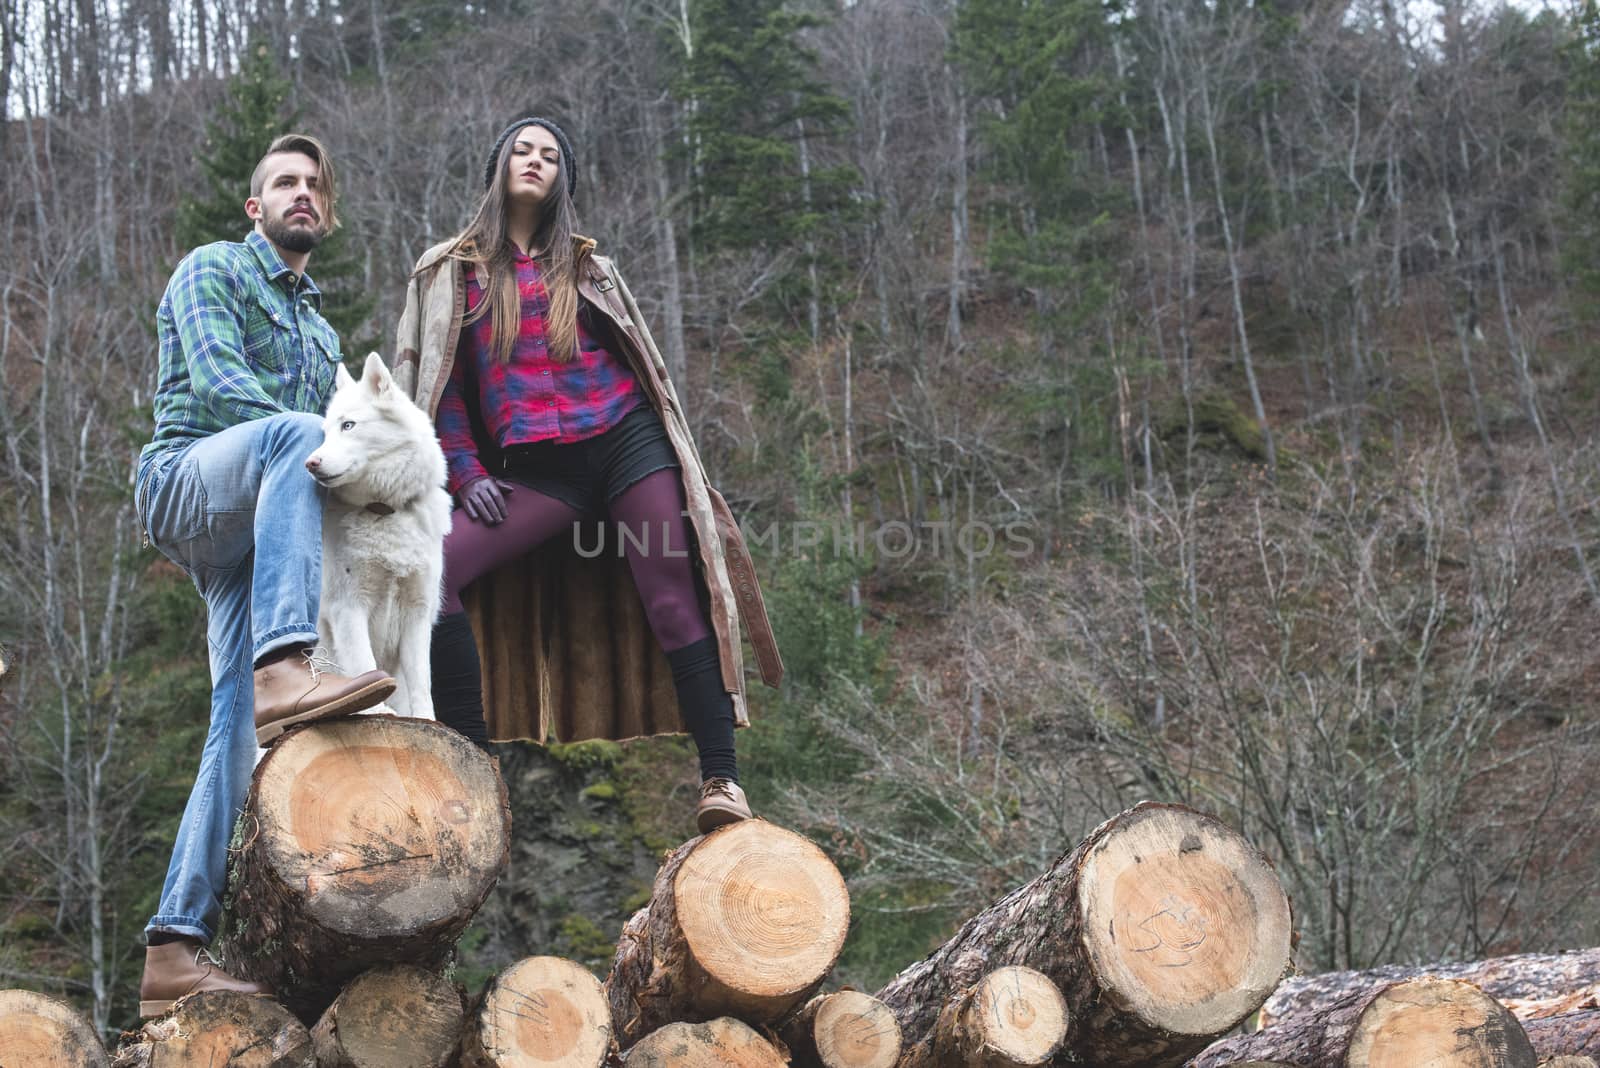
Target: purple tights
654	535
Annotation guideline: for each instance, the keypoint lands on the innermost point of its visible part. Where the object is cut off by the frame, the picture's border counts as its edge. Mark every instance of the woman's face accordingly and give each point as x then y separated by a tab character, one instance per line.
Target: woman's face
534	167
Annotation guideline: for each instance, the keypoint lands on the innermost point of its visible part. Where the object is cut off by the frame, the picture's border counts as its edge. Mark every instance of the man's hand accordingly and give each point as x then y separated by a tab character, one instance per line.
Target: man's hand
484	499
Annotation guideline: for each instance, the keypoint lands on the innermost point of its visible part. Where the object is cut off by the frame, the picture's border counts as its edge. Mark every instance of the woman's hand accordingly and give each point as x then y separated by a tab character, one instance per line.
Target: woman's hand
484	499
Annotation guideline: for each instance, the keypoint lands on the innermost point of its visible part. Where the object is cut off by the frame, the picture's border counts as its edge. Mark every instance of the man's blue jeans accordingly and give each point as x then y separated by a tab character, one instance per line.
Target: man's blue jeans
241	515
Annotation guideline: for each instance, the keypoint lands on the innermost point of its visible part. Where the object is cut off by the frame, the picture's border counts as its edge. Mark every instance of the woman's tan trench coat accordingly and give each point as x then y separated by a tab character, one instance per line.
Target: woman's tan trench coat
567	651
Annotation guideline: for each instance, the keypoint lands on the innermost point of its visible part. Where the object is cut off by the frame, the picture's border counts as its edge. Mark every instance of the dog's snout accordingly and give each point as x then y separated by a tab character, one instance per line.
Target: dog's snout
313	462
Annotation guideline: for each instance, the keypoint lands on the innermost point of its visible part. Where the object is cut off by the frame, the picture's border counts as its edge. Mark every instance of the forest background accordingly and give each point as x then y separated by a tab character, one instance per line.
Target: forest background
1260	337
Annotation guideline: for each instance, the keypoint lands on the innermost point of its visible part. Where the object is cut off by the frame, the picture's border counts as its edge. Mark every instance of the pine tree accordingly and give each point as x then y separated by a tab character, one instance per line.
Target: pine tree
753	91
255	111
1581	192
1041	68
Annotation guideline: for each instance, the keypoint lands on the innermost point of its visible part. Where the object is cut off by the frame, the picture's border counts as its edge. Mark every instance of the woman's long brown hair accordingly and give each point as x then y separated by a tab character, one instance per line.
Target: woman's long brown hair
487	246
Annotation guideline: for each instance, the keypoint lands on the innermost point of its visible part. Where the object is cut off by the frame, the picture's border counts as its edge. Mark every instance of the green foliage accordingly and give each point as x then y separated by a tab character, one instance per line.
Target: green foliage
581	939
255	111
586	755
751	85
1580	200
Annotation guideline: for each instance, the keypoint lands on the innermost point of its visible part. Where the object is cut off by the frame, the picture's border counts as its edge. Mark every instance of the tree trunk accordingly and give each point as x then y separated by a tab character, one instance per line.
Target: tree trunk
745	921
369	840
1013	1018
719	1043
1442	1023
541	1010
42	1032
1524	976
1163	929
1574	1034
844	1030
394	1016
223	1028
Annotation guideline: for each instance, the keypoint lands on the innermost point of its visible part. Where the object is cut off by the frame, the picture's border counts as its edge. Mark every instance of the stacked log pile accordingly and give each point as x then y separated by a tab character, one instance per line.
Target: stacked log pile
370	843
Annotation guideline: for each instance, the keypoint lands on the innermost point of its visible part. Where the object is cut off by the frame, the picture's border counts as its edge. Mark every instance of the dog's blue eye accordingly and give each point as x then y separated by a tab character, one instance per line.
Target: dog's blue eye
347	424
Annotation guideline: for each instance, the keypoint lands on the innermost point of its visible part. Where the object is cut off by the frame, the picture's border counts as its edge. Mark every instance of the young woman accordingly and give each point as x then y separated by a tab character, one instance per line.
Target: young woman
555	410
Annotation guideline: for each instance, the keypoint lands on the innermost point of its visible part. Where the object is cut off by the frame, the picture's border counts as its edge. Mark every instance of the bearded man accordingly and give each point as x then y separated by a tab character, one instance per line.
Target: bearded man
246	368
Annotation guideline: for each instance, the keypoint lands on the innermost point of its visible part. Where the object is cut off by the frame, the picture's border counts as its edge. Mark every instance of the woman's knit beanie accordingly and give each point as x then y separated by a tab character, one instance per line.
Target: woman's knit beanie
568	162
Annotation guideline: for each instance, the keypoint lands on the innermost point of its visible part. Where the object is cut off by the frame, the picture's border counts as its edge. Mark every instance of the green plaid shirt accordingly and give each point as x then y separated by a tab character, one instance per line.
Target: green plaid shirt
242	337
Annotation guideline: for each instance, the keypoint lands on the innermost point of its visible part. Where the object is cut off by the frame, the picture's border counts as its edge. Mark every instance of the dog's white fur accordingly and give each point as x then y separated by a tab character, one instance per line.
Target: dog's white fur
381	573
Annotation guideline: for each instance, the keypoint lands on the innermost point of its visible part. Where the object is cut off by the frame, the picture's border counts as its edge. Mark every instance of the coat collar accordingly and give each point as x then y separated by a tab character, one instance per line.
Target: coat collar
581	247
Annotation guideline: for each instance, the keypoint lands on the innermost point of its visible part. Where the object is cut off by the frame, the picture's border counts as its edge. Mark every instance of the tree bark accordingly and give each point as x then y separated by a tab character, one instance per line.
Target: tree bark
1014	1018
45	1033
745	921
1574	1034
220	1027
719	1043
394	1016
369	840
844	1030
1163	929
1523	976
1443	1023
541	1010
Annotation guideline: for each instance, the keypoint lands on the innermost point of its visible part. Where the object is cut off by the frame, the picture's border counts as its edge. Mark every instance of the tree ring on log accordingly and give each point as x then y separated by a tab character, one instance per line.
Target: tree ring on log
721	1043
771	911
42	1032
1186	925
1442	1023
856	1029
545	1010
393	1016
225	1027
379	830
1023	1013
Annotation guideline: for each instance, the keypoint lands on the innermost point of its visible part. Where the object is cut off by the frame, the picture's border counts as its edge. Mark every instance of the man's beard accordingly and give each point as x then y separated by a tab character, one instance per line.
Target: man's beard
293	238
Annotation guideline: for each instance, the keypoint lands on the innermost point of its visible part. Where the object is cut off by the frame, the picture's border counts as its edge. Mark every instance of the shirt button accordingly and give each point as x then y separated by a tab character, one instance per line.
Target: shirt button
551	404
547	372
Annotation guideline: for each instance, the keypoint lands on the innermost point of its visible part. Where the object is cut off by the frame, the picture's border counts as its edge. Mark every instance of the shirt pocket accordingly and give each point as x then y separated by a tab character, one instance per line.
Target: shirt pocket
325	348
273	339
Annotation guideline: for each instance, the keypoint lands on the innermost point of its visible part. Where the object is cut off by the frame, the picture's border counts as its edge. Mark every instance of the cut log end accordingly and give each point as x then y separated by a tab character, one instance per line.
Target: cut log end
1016	1016
1185	924
763	911
542	1011
387	825
720	1043
394	1016
42	1032
1442	1023
221	1027
855	1030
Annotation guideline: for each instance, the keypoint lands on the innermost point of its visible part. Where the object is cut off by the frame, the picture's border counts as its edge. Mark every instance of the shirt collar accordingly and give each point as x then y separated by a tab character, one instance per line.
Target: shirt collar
276	270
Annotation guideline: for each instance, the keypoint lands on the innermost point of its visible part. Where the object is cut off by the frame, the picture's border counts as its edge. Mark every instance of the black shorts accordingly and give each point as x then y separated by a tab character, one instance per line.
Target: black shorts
592	473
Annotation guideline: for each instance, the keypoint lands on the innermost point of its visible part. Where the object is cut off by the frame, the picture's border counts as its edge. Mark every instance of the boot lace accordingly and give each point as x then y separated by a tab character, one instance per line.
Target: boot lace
717	787
319	664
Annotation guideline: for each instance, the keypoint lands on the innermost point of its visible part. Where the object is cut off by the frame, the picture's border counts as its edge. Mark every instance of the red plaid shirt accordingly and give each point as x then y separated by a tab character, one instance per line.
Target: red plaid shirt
530	397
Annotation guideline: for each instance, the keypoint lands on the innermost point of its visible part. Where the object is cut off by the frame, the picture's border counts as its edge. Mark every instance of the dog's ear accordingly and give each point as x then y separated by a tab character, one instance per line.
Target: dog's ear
341	378
376	375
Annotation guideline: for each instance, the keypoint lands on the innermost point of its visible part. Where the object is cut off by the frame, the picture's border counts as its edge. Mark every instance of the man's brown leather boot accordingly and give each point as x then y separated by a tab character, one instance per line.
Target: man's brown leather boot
295	690
721	802
183	967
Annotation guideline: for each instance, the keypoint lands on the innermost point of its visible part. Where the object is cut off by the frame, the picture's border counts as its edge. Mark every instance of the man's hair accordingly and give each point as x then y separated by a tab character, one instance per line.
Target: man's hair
304	145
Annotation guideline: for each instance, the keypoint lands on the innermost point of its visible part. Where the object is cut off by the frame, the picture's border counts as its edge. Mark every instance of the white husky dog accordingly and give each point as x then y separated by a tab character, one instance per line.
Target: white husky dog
383	528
